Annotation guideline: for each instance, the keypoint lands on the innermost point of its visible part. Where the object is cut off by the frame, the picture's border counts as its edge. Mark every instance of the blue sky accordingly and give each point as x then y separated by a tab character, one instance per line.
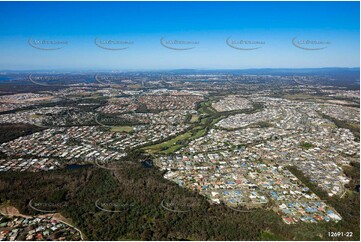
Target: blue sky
209	24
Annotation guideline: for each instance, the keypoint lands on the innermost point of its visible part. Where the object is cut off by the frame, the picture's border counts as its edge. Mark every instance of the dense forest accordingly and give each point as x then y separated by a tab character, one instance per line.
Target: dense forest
136	193
12	131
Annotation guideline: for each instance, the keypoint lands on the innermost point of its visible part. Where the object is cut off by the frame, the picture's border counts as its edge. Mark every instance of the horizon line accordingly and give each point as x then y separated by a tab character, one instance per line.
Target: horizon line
185	69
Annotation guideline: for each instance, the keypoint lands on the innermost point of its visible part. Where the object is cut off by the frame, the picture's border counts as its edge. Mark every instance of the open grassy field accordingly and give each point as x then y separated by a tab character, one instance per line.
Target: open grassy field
167	144
176	143
35	116
194	118
126	129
